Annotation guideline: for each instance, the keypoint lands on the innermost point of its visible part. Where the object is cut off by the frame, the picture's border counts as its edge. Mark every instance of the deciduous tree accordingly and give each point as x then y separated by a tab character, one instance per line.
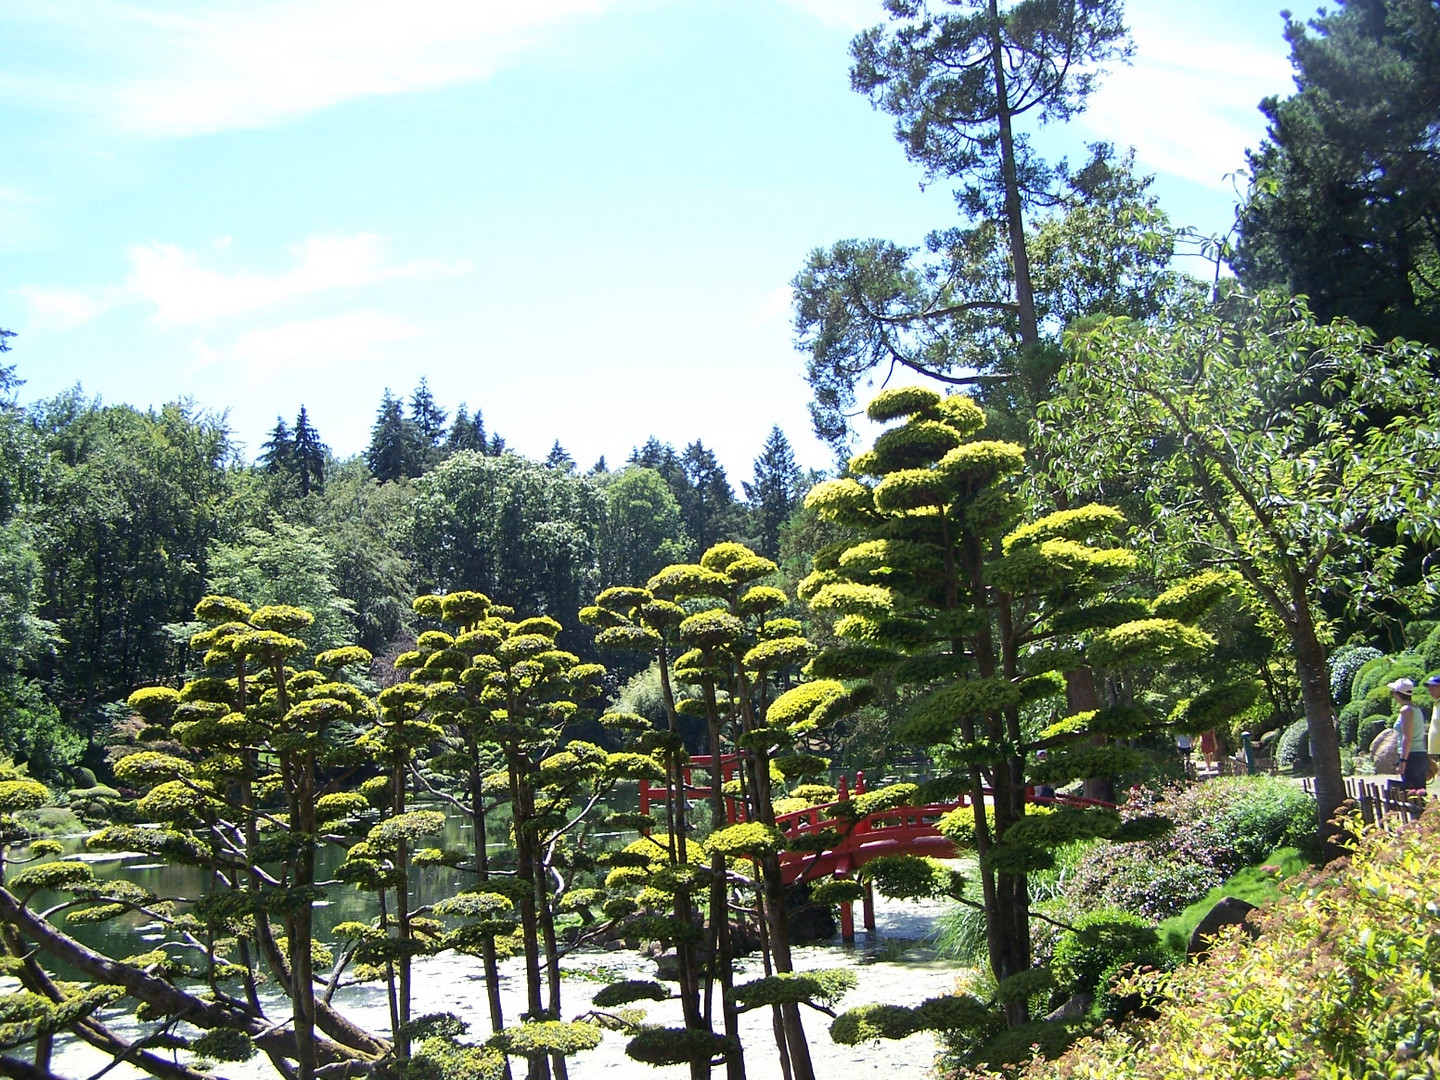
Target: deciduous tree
1304	500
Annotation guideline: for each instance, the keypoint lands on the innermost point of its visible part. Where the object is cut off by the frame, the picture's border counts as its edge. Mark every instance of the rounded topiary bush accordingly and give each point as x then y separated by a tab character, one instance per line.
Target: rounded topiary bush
1344	663
1430	650
1370	675
1102	943
1347	724
1294	749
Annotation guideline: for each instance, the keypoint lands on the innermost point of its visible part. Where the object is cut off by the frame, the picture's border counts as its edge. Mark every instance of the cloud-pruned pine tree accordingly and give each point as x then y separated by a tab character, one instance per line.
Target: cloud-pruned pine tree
949	592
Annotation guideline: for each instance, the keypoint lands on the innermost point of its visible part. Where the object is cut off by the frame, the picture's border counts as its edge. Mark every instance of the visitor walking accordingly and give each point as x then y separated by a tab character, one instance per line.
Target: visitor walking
1433	685
1185	745
1209	746
1414	765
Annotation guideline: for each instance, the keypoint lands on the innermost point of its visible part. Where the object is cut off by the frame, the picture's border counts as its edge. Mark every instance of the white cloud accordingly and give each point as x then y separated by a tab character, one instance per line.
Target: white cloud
310	344
181	289
191	68
850	14
1189	102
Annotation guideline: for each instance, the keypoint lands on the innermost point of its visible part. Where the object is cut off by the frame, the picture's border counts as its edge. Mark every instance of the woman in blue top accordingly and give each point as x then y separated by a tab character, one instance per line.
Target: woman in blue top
1410	729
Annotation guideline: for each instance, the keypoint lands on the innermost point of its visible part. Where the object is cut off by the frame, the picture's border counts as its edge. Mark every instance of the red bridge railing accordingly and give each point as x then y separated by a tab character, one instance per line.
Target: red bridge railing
902	830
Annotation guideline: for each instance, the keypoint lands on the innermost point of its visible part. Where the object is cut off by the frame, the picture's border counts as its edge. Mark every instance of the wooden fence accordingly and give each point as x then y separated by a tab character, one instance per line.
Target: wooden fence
1377	802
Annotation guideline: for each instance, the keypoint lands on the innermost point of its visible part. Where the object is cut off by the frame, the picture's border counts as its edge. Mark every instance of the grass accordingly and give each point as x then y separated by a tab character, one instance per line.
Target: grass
1256	885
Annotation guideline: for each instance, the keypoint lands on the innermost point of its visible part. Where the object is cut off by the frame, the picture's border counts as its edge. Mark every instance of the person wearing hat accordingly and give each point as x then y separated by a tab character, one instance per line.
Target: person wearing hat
1433	685
1410	729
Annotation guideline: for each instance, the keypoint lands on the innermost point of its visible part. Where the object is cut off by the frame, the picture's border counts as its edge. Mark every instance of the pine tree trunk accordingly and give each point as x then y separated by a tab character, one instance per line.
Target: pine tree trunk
482	867
722	961
1014	210
686	959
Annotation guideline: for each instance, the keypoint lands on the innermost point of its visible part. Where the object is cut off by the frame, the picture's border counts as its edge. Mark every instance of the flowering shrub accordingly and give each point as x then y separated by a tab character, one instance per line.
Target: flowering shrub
1221	827
1339	984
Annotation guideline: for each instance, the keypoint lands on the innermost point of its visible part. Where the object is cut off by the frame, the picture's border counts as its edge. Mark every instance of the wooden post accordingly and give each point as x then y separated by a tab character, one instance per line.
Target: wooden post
847	923
870	907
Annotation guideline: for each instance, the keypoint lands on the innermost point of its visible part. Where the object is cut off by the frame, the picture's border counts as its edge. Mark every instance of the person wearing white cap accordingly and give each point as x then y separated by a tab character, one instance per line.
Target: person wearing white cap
1410	728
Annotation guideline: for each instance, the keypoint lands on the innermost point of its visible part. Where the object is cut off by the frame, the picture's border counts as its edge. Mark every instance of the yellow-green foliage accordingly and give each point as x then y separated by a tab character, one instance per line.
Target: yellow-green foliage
808	705
836	891
22	795
848	598
843	502
898	402
1082	523
410	826
684	580
1191	598
222	609
149	767
677	1046
825	986
977	464
912	489
778	653
937	717
541	1037
1214	707
52	875
1340	984
951	1012
345	656
154	703
751	839
282	618
910	877
1148	641
711	629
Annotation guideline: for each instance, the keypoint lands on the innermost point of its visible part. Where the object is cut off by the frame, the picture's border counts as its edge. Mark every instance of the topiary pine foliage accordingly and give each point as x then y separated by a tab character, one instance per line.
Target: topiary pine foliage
719	621
244	800
944	578
501	695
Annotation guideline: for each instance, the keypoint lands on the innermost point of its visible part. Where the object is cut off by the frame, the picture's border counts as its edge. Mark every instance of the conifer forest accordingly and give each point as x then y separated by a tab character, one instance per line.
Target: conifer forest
1070	718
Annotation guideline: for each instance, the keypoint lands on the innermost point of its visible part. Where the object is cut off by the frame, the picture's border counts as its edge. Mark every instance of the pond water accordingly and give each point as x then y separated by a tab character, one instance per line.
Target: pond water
893	966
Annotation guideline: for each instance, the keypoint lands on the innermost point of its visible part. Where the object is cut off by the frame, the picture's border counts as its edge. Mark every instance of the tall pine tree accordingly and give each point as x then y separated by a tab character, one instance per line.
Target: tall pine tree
427	416
709	508
775	491
466	433
308	457
388	452
277	451
559	458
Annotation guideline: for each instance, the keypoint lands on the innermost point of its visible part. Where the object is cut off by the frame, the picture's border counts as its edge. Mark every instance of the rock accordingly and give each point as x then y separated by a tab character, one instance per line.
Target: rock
667	967
1078	1005
1230	911
1385	749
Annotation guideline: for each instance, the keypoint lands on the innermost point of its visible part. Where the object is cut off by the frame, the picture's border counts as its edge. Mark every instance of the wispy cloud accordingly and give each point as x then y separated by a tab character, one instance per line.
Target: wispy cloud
851	14
310	344
180	288
1189	102
186	68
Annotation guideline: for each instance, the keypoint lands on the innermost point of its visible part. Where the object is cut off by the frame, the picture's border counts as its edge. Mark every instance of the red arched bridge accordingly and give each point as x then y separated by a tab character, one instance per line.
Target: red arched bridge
903	830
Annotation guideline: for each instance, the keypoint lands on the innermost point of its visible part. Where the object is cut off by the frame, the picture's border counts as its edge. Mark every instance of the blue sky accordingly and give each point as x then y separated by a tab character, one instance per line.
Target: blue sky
579	216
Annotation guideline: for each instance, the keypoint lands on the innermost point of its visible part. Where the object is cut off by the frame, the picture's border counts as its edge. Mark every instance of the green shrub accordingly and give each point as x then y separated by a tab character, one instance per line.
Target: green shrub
1369	675
1221	827
1339	984
1344	663
1293	751
1347	724
1368	729
1101	942
1430	650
